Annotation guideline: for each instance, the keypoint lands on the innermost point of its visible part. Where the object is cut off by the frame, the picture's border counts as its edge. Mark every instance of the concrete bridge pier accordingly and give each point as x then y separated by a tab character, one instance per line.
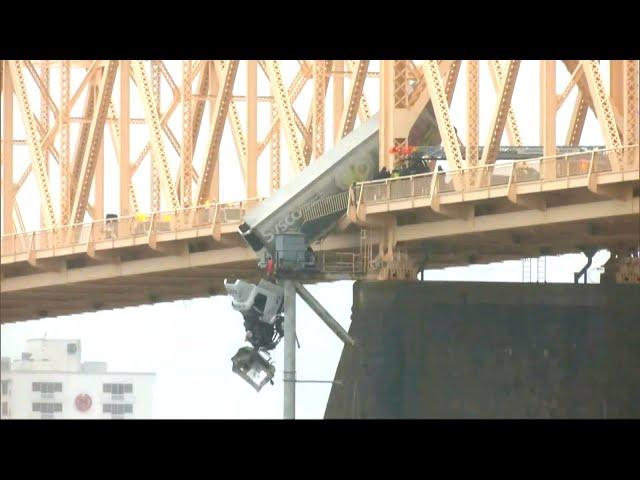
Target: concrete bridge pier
490	350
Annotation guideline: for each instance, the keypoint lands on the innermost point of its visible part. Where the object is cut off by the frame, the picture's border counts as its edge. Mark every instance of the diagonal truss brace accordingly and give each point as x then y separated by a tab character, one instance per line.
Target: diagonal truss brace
348	119
94	143
578	117
298	83
365	113
286	114
33	139
227	76
497	77
499	117
440	104
159	156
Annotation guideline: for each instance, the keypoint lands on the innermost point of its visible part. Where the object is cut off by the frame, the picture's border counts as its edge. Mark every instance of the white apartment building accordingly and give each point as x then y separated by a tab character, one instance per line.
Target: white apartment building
50	381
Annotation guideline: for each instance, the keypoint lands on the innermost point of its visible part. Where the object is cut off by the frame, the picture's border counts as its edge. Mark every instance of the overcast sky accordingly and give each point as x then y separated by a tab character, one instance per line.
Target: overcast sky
189	344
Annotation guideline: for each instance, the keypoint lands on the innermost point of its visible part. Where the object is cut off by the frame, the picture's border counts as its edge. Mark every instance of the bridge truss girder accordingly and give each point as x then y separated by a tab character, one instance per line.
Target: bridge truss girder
64	108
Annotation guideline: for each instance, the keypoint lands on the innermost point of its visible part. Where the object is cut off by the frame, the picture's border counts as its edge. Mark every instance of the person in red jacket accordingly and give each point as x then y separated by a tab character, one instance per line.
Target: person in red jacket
270	266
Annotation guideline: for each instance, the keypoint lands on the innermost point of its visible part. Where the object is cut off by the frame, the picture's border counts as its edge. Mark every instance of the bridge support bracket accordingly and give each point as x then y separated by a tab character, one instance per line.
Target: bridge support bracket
622	192
216	230
108	256
344	223
57	265
176	248
464	211
533	201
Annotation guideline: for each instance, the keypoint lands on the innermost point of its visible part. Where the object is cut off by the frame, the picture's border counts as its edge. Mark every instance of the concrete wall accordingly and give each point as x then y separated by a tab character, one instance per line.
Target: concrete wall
490	350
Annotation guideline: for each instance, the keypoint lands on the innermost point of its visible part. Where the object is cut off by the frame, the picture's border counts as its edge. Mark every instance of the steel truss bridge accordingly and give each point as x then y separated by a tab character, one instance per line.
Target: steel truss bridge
173	238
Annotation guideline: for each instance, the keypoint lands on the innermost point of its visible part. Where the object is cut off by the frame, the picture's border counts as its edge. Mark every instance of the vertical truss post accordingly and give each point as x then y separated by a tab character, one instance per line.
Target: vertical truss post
252	129
187	134
126	184
401	83
274	152
548	108
44	117
387	109
630	109
603	108
65	139
8	187
338	96
155	180
616	84
319	92
400	102
473	108
199	104
548	105
98	179
214	89
44	104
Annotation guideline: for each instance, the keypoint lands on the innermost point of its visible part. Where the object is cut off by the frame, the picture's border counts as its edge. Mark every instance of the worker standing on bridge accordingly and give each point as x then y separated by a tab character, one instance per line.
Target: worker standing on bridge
383	173
431	163
270	266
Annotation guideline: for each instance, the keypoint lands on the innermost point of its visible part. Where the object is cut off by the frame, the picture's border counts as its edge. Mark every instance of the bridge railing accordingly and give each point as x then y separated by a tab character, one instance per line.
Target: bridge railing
341	262
544	169
140	225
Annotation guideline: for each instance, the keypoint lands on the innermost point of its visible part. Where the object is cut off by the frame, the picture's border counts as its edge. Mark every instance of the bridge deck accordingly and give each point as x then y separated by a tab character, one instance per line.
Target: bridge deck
478	215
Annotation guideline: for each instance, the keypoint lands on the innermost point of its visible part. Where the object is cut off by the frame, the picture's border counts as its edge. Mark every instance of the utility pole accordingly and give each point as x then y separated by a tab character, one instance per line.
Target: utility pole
289	349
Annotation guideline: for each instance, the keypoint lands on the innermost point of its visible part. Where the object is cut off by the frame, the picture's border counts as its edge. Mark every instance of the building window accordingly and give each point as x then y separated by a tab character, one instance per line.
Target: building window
72	348
117	408
5	409
46	407
5	387
117	388
46	387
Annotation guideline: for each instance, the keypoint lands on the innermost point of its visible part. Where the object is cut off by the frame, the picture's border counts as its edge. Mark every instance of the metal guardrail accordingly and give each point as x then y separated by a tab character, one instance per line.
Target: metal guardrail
341	262
545	169
140	225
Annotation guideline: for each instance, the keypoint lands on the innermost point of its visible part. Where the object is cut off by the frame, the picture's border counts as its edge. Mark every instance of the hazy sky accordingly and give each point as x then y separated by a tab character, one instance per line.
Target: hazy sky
189	344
